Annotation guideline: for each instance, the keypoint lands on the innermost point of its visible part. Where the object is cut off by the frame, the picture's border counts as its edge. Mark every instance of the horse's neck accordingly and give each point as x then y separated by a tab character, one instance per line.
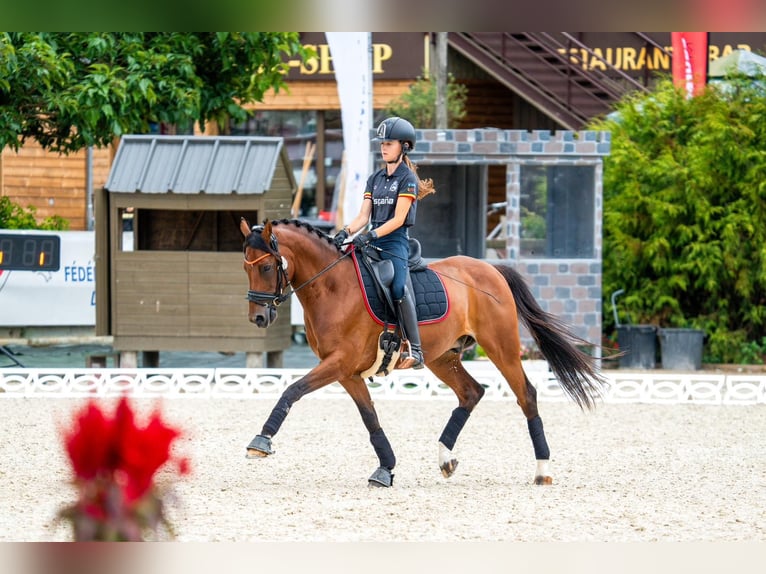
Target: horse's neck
309	257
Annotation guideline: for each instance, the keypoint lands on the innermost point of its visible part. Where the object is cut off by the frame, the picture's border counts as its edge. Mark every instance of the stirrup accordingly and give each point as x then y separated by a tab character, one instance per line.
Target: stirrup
414	355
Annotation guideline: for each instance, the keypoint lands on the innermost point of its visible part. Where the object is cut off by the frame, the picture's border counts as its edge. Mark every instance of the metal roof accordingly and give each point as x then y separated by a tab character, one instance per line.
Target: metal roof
194	164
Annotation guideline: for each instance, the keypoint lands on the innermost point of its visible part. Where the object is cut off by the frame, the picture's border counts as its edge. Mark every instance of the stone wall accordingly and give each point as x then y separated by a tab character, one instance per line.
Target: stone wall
568	288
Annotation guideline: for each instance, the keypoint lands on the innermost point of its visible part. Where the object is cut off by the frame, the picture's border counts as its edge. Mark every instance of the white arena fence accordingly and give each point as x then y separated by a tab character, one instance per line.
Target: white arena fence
623	387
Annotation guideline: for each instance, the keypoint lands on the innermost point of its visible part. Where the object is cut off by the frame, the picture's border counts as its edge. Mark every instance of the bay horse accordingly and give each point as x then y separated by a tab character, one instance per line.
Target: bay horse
485	303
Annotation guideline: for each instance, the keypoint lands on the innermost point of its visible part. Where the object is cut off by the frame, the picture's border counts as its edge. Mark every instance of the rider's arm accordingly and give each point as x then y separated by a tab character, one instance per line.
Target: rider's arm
362	217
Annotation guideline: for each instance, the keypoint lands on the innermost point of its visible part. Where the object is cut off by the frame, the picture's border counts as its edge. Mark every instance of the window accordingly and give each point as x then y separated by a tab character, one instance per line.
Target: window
557	211
299	128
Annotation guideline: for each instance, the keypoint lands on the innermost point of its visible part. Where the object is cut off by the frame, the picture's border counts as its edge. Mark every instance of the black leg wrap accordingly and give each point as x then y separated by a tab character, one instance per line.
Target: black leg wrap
454	426
536	433
383	449
277	416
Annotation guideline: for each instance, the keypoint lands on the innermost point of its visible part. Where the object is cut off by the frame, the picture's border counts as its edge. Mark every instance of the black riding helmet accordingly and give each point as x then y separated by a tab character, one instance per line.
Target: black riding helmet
397	129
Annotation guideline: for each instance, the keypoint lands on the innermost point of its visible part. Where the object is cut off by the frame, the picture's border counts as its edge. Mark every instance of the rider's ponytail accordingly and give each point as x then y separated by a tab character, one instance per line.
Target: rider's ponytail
425	186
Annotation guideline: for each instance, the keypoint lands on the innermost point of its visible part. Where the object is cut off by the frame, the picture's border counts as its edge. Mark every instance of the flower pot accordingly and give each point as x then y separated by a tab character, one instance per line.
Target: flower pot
639	343
681	349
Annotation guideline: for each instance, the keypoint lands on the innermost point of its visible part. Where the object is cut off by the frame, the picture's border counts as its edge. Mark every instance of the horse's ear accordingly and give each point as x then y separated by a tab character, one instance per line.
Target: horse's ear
244	227
266	232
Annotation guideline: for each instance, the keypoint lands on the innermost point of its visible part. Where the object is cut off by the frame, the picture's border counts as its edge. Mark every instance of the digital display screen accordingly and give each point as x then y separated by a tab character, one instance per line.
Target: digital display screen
22	252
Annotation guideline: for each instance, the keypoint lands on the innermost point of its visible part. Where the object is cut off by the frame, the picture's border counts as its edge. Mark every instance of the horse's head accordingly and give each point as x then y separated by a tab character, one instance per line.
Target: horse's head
266	272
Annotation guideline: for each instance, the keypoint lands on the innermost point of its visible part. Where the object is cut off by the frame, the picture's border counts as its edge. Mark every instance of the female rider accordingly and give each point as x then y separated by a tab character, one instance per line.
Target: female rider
390	205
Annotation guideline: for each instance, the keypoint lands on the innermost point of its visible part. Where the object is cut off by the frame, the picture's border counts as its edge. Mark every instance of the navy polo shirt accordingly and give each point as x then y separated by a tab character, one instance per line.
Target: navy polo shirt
384	190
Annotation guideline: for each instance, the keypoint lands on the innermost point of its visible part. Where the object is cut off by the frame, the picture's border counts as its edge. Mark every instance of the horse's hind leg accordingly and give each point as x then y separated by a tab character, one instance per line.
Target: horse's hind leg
526	397
450	370
537	434
383	475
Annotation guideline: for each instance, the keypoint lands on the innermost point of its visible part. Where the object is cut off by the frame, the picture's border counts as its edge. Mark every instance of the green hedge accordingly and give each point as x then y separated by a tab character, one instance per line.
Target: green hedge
685	215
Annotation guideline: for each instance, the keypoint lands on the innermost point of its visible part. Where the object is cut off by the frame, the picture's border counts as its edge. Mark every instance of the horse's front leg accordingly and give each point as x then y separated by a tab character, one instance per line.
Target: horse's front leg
357	389
321	375
469	392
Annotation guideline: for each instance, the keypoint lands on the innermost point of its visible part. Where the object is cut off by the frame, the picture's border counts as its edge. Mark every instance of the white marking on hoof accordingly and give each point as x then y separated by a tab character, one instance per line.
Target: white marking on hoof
543	472
447	462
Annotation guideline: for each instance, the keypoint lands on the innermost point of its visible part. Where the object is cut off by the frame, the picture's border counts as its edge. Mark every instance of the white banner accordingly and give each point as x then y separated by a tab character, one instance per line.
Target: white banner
351	60
65	297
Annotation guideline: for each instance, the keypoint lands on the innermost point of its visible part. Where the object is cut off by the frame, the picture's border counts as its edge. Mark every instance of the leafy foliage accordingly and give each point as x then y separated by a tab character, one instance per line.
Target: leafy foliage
13	216
684	205
73	90
418	105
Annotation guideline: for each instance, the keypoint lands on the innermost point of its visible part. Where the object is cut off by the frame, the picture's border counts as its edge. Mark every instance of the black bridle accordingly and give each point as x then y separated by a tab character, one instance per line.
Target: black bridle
278	297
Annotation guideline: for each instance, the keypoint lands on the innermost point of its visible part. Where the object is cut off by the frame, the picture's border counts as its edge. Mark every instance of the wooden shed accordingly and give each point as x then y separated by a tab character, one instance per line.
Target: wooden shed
169	251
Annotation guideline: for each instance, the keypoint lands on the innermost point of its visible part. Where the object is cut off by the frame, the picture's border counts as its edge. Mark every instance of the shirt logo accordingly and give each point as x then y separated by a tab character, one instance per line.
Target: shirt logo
394	187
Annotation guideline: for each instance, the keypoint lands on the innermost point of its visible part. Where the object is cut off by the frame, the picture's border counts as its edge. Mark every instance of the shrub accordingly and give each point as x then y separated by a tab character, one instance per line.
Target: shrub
13	216
684	205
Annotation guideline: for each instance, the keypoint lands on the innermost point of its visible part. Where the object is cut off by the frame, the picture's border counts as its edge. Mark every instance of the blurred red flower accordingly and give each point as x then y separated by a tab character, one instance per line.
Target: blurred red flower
114	462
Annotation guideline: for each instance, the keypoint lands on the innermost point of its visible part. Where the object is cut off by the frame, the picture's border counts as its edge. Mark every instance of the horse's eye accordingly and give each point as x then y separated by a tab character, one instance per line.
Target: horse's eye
267	268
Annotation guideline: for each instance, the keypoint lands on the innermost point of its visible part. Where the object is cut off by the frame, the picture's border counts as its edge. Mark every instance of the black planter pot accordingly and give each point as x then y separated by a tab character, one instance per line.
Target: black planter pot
681	349
639	343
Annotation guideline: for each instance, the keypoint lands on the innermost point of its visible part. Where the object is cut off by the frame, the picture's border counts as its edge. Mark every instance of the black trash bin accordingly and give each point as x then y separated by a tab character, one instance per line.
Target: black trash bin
639	345
681	349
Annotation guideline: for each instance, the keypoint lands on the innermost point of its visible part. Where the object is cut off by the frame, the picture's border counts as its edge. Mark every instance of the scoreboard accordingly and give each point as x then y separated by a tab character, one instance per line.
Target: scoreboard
47	278
29	252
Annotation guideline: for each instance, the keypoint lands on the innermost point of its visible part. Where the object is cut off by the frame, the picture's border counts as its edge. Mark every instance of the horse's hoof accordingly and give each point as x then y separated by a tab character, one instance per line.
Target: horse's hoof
448	468
382	477
543	480
259	447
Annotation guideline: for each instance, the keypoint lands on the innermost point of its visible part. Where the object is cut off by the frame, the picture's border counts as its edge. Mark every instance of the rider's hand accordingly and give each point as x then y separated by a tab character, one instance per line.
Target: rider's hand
363	239
340	237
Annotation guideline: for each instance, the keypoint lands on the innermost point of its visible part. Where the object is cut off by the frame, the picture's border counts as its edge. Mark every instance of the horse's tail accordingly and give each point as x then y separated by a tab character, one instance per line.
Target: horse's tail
576	370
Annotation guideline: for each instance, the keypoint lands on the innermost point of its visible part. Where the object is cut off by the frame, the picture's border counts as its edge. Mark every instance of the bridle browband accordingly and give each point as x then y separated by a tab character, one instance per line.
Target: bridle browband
278	297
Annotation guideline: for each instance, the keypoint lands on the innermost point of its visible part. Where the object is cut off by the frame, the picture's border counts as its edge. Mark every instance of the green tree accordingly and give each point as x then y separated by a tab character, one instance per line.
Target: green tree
418	105
13	216
73	90
684	206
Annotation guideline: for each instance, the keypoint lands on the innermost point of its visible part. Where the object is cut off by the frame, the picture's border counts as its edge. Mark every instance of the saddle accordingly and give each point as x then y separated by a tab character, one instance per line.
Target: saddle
375	276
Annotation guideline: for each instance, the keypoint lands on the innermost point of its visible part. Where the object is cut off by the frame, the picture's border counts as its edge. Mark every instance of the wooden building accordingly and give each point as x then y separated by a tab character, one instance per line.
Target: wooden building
169	249
52	183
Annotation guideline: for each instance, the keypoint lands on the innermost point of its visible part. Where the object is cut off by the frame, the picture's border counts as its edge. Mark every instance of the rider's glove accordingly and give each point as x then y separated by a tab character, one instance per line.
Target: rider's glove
363	239
340	237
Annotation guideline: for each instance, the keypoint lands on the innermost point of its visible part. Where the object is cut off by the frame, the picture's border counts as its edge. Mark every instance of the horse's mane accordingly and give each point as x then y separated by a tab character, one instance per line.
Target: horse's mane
256	241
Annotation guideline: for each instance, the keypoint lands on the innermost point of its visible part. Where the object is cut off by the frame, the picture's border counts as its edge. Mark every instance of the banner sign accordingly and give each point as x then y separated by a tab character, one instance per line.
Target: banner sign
34	294
351	58
690	61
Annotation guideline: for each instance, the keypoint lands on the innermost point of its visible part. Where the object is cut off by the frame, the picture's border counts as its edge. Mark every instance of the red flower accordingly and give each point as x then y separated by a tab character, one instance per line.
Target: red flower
114	462
89	442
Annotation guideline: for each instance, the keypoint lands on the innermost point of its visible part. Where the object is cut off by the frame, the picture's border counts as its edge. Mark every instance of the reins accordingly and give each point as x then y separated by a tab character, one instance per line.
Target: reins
322	272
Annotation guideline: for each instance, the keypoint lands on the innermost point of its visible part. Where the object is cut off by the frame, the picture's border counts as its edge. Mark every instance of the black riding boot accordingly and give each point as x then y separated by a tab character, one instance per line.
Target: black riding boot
408	320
